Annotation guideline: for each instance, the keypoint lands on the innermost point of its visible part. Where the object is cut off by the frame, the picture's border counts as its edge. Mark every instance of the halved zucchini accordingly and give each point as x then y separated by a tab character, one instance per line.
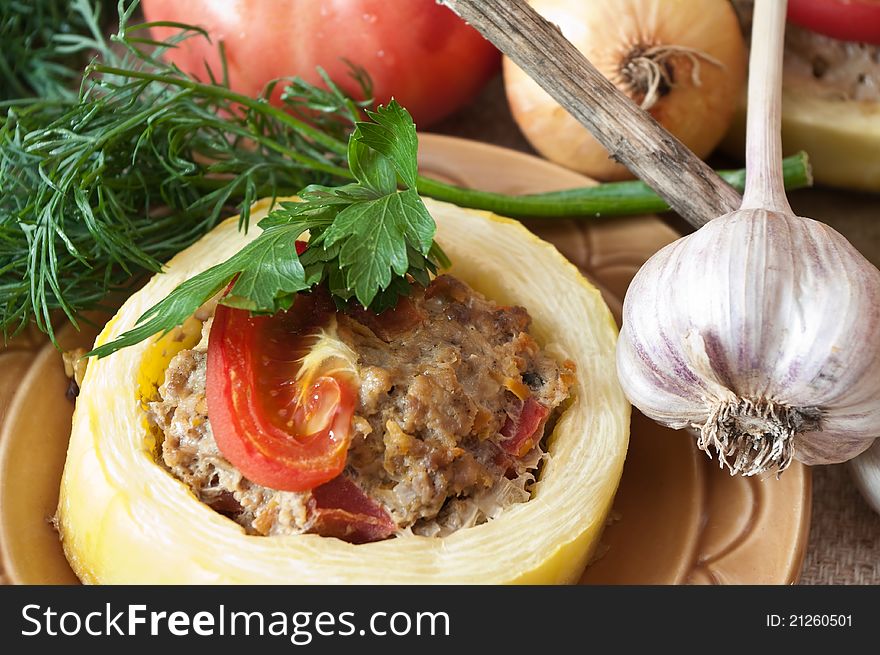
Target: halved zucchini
125	519
842	137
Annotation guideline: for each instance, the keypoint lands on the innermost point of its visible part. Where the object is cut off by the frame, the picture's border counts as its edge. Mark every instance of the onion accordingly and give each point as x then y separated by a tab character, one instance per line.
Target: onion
683	62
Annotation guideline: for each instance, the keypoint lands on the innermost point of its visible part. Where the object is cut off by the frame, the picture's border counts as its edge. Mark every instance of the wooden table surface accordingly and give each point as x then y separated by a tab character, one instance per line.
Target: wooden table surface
844	544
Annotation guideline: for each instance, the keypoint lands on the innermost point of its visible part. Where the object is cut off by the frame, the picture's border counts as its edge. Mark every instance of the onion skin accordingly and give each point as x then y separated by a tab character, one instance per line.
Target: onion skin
698	115
125	519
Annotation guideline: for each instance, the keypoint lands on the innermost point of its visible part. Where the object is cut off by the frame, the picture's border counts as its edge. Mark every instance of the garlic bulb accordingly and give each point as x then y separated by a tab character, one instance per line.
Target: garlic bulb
865	470
760	329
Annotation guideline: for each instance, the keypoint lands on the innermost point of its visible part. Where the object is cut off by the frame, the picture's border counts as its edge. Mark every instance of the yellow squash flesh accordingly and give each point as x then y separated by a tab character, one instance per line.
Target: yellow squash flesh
842	137
125	519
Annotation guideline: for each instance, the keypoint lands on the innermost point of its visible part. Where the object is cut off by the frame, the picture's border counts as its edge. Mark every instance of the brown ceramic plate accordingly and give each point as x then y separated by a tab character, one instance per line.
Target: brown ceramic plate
677	518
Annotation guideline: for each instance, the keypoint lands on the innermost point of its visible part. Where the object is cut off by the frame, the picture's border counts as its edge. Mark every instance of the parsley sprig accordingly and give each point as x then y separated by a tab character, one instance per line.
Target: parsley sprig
367	239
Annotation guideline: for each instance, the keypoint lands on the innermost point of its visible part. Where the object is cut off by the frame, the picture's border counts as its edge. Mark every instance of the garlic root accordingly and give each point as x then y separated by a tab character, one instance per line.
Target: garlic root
751	437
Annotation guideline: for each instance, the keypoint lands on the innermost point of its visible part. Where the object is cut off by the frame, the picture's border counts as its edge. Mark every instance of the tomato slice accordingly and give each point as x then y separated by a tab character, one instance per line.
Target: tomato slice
524	432
341	509
280	432
849	20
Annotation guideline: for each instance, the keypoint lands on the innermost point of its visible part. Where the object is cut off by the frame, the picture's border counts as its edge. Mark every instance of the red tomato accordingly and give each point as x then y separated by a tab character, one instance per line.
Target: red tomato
523	433
277	434
415	50
341	509
849	20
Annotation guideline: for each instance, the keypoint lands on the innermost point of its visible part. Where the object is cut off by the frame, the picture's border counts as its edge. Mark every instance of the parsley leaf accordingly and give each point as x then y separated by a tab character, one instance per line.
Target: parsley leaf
367	239
373	171
373	236
390	135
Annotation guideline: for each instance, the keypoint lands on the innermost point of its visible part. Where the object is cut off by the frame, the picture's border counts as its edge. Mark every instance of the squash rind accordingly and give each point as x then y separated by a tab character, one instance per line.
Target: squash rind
125	519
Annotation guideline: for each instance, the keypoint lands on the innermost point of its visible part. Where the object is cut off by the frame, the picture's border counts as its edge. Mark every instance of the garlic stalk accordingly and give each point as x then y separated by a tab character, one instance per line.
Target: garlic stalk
760	329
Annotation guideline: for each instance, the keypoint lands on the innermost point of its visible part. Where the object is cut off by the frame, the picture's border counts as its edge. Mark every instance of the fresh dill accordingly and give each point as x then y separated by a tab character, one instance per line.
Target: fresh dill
46	43
143	162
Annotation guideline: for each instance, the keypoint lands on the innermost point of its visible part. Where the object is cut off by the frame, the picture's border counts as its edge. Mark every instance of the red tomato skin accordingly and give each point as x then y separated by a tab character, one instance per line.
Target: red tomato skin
239	422
848	20
415	50
341	509
523	433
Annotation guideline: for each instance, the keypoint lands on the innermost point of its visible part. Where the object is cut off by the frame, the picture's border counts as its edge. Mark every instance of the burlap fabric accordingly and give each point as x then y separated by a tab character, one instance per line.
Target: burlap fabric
844	545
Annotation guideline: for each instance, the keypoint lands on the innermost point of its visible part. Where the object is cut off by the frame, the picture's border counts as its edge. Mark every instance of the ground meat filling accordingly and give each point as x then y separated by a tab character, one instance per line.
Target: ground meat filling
831	68
442	386
823	66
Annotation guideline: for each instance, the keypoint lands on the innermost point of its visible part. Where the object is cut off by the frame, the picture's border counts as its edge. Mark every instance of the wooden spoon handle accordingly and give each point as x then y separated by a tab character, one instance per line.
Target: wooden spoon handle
630	134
